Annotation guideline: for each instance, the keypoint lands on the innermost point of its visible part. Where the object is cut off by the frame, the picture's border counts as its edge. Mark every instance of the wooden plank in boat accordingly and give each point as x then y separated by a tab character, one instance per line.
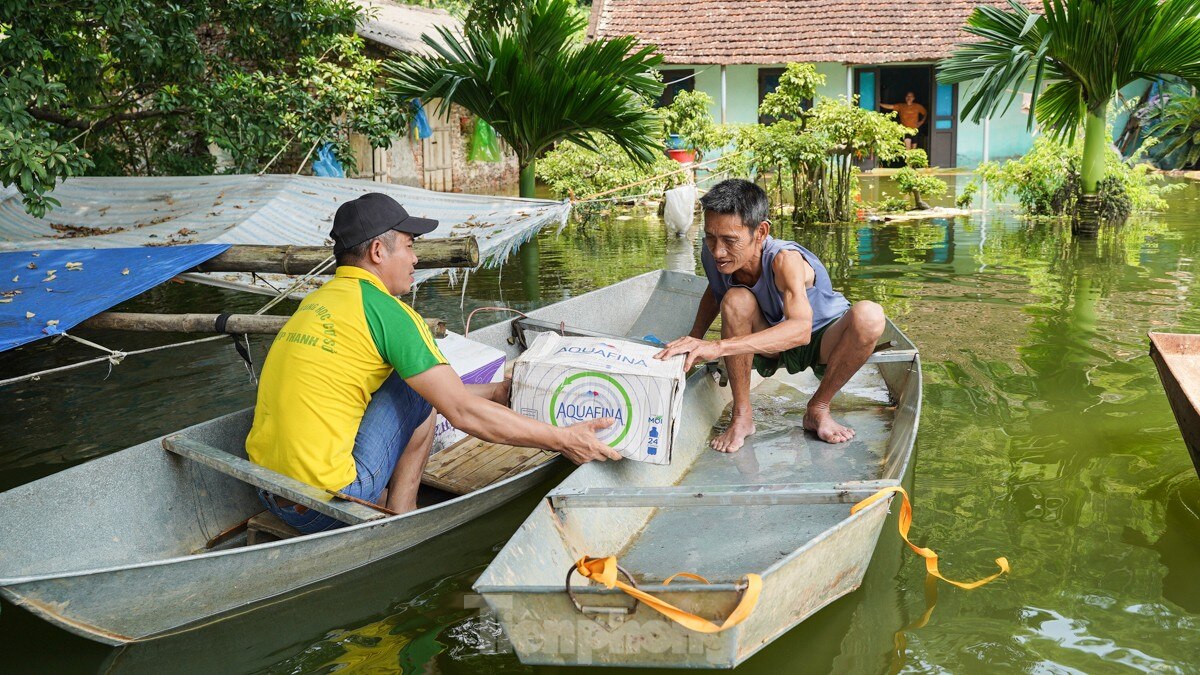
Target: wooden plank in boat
262	477
472	464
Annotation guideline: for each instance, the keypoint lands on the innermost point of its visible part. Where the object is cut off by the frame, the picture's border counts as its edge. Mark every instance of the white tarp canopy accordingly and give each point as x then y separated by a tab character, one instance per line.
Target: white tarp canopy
245	209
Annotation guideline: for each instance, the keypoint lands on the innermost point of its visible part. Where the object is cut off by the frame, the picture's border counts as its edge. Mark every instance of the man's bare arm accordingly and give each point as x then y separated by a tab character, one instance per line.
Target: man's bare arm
706	313
493	422
791	273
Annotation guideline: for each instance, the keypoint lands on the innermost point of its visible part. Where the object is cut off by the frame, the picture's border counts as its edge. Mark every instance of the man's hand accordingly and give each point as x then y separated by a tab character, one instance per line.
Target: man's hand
580	444
697	351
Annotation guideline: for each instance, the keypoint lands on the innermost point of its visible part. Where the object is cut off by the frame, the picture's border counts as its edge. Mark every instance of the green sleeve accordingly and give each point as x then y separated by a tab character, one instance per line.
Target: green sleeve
400	334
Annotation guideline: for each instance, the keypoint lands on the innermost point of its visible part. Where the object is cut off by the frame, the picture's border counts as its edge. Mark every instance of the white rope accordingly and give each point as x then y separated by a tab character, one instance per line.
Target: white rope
281	295
112	354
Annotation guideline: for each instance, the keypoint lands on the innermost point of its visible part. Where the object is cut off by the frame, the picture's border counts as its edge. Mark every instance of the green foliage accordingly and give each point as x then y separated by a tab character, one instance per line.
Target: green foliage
571	170
529	79
892	204
915	158
797	87
688	117
142	87
914	178
811	152
1175	122
1085	51
1046	181
967	196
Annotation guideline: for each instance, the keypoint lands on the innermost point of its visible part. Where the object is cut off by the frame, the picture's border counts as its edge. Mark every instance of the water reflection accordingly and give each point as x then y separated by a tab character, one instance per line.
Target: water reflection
1045	437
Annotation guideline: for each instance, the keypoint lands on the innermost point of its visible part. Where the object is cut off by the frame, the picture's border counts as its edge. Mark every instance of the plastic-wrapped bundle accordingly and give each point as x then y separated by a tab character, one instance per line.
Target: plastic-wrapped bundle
679	209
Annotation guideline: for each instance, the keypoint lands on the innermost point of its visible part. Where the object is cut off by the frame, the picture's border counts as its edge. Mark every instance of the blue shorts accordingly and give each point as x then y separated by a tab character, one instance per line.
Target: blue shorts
391	419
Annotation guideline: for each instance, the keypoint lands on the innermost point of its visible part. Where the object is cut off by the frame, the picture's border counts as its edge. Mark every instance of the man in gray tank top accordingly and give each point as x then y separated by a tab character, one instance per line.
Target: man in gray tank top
777	307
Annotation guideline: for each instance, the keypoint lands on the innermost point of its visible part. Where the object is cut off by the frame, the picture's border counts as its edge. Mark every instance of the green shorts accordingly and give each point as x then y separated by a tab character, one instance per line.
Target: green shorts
796	359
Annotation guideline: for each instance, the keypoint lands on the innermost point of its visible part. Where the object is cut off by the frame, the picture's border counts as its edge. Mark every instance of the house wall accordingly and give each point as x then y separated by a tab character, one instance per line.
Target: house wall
742	88
1009	137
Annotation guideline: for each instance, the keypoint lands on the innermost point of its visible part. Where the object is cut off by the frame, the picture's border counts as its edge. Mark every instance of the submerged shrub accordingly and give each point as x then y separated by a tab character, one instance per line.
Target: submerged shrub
914	179
1046	181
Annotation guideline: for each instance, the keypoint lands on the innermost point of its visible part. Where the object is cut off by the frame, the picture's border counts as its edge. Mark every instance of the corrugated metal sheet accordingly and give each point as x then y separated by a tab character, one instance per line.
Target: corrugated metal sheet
243	209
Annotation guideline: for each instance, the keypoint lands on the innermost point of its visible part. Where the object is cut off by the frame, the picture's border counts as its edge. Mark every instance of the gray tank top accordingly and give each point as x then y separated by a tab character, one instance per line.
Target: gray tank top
827	304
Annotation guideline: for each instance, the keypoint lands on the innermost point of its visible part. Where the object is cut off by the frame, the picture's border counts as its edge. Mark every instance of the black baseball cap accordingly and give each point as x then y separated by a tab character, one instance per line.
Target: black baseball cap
371	215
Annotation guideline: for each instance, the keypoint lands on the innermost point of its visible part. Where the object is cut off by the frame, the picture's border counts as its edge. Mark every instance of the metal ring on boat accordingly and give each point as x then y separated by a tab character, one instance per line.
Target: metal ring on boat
605	610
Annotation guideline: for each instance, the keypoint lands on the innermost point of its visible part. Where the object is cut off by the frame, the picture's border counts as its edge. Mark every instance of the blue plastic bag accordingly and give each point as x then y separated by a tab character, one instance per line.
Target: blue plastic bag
421	121
327	165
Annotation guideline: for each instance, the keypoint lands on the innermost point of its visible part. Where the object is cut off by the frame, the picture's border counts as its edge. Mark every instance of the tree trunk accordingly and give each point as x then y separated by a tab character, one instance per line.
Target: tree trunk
528	179
1091	171
431	254
918	203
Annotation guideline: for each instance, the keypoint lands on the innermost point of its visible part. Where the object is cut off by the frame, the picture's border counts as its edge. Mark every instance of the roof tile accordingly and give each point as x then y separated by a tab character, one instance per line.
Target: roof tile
781	31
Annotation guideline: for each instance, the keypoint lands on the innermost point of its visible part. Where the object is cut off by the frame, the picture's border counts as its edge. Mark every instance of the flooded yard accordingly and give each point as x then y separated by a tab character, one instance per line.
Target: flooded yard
1045	437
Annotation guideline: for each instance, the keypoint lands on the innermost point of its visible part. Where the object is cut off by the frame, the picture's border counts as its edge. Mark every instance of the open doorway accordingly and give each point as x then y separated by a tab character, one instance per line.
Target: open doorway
895	83
937	136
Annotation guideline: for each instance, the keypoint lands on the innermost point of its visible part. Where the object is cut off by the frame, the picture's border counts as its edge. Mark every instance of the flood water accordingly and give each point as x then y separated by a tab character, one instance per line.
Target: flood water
1045	437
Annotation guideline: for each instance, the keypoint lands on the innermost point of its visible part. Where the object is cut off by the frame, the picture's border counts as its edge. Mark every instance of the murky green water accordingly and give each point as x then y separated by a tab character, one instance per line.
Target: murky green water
1045	438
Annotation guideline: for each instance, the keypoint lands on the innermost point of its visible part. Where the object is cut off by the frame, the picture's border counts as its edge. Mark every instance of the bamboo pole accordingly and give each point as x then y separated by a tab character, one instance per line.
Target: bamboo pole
258	324
431	254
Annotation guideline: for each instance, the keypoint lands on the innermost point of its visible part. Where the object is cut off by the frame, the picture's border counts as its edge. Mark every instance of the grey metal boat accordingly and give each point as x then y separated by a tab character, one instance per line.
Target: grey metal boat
779	508
117	549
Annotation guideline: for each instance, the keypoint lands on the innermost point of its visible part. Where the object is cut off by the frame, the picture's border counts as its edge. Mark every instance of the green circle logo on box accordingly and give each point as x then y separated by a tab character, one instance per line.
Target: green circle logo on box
591	395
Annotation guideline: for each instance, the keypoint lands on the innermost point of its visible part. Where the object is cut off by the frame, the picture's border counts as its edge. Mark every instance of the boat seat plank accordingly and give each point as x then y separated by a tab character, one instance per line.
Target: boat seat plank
270	524
786	494
893	356
275	483
473	464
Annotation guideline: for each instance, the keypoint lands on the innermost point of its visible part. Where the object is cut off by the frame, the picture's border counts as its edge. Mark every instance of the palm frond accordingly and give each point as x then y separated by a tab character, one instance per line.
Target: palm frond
1085	51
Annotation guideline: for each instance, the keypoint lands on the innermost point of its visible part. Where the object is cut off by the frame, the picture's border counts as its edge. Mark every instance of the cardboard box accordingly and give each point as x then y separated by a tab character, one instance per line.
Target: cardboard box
475	363
565	380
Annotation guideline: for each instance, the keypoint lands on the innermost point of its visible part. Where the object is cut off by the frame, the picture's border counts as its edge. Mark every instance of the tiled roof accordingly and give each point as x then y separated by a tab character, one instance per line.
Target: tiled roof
400	26
780	31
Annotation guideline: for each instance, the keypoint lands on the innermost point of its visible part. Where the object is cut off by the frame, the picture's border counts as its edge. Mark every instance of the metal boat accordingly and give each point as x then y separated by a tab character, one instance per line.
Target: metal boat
1177	357
117	549
779	508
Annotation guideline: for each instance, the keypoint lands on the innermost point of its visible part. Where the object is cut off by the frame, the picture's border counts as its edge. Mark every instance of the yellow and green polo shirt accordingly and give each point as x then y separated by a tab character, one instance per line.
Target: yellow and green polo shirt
345	339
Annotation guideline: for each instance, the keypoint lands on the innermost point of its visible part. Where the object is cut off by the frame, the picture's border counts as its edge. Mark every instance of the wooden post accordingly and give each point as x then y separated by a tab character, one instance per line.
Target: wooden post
431	254
258	324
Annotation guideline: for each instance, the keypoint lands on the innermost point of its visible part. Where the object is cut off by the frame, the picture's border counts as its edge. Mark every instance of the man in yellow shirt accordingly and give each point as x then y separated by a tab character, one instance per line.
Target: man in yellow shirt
912	115
347	396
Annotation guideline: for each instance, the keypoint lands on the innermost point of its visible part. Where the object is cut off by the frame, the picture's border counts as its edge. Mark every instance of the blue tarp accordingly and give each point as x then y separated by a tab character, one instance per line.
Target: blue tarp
52	291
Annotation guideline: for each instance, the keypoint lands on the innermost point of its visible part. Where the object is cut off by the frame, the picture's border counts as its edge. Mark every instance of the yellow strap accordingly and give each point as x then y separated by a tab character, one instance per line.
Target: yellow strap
931	558
604	571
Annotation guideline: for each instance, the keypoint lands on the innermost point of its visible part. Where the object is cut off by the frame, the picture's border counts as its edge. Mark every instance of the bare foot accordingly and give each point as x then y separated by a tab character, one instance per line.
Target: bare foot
732	439
817	419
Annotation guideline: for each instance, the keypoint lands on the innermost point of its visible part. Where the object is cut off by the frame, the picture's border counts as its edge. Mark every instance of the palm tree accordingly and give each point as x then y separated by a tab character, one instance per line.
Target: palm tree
1086	51
527	75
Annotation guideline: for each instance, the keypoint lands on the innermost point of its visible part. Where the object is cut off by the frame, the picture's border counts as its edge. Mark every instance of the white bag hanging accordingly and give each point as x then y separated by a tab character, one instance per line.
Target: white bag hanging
680	208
